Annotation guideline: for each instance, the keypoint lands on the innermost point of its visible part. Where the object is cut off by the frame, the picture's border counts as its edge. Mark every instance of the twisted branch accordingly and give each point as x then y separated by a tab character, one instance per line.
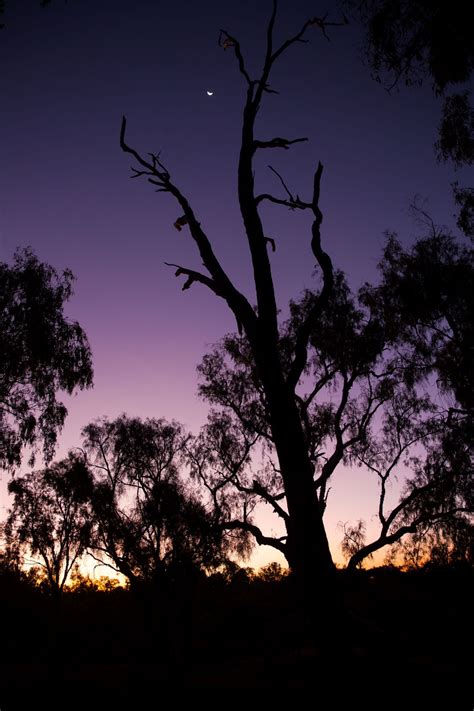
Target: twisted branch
219	282
325	263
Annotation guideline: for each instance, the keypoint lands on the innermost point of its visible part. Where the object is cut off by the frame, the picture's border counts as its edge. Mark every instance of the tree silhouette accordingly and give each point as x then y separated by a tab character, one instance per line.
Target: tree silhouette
368	399
307	545
456	133
427	298
427	294
464	198
415	40
146	521
41	352
412	41
351	379
50	518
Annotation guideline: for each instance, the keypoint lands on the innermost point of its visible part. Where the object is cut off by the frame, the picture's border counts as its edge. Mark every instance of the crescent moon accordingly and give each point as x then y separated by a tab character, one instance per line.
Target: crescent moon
209	93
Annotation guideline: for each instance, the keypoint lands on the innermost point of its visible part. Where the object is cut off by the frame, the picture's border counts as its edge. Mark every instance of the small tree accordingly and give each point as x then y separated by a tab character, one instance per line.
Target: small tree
146	520
49	522
272	573
41	352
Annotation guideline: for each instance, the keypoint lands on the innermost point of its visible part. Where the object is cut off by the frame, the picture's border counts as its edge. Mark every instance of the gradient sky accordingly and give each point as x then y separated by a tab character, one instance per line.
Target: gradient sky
71	70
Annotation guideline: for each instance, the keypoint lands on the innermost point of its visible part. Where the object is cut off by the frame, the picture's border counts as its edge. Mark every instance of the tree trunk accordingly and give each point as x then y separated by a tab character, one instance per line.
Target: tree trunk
308	546
308	553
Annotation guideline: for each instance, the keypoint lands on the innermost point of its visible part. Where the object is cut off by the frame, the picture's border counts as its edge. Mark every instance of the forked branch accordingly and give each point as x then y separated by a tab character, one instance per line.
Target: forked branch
156	173
256	533
278	143
293	202
193	276
325	263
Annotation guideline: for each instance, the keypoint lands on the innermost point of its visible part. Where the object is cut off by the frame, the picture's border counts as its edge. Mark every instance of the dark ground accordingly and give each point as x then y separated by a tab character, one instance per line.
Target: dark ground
409	634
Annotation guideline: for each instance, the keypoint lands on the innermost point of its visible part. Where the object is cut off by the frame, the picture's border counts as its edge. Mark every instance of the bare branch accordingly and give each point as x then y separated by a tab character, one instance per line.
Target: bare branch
319	22
266	300
222	285
256	533
278	201
325	263
278	142
268	90
271	25
287	190
192	277
226	41
293	202
298	37
155	168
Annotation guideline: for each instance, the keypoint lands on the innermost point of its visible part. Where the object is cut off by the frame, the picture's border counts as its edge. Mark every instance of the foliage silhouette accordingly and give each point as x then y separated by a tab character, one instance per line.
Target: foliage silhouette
272	573
41	352
449	545
354	538
456	132
427	300
146	521
368	399
427	294
464	198
412	41
50	519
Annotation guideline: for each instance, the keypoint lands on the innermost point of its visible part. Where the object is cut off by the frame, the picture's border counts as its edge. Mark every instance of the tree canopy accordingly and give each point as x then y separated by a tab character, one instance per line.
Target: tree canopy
147	520
387	387
415	40
49	522
418	41
41	353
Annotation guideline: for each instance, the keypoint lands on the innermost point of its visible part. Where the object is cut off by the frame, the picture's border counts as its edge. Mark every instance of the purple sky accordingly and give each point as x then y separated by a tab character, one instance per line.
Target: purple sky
71	70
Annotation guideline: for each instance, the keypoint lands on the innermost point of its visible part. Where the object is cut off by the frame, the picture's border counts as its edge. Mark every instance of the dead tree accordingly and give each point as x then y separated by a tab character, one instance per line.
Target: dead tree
307	544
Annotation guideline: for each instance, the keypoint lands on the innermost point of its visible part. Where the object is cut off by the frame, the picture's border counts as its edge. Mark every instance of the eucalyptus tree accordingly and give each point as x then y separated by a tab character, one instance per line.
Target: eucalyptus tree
41	352
148	521
307	544
49	523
